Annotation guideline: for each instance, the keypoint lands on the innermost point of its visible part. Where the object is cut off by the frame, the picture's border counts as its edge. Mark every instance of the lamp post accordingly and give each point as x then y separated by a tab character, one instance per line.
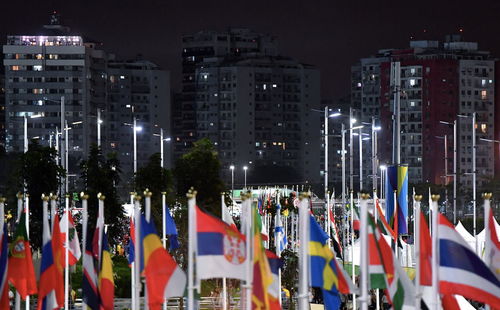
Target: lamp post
454	168
245	168
383	168
232	182
136	129
473	174
445	176
99	122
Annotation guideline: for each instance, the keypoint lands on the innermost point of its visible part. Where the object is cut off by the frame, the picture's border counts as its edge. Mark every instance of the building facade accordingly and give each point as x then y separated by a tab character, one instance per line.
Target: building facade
253	105
439	81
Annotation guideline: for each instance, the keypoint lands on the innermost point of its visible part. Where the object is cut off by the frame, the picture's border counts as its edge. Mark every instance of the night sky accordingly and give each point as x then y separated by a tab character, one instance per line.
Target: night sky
329	34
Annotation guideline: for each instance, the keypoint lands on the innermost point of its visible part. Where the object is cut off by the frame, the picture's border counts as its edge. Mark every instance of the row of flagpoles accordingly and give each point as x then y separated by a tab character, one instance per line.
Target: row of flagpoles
218	249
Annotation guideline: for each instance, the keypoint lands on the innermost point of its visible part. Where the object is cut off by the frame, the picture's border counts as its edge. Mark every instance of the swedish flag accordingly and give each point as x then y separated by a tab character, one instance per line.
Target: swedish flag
324	270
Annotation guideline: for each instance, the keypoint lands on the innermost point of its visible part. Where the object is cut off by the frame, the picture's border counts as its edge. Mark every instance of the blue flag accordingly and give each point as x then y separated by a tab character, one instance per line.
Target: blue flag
171	230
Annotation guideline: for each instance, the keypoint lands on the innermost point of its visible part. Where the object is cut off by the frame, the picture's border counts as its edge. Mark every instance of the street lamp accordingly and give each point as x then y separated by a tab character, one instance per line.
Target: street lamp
454	168
383	168
161	145
245	168
232	182
473	116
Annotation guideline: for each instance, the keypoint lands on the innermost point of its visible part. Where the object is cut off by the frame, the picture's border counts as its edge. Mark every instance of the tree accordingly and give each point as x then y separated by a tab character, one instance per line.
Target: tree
200	168
37	168
157	180
101	175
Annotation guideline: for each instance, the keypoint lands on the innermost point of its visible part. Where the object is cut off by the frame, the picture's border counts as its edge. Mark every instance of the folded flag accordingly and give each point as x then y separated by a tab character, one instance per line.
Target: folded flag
220	249
326	273
50	277
274	290
74	244
279	232
425	252
106	281
335	234
461	271
21	273
171	230
164	278
131	242
262	276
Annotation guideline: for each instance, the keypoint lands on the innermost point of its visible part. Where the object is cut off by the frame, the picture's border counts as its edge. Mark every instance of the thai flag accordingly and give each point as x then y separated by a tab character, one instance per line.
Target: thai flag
461	271
49	275
220	249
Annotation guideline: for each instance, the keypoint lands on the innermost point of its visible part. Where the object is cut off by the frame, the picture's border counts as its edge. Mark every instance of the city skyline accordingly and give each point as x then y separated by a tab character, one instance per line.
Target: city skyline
332	36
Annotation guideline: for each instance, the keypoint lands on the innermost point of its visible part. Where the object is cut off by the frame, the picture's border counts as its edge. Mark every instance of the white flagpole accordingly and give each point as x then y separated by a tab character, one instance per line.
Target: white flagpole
487	228
416	241
84	229
66	254
247	208
303	294
364	250
164	224
277	242
191	246
224	287
352	248
137	252
147	200
27	199
375	215
434	304
328	220
19	211
132	266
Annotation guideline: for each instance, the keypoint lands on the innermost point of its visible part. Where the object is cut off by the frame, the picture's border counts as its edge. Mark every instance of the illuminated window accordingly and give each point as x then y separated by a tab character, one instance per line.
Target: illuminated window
39	56
15	68
37	91
484	94
412	82
53	56
37	68
484	128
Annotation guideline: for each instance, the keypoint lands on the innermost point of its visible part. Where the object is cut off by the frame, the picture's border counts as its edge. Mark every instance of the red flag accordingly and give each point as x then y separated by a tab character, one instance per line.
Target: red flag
59	260
425	253
21	272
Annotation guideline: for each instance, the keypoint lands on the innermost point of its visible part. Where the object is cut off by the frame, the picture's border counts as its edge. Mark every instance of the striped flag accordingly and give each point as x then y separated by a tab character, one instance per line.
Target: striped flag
274	290
164	278
335	233
89	281
492	257
279	232
74	244
106	282
461	271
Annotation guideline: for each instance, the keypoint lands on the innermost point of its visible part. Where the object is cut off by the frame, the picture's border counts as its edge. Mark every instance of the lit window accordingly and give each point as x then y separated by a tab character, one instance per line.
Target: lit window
484	128
39	56
484	94
122	77
359	84
412	82
274	85
412	70
15	68
412	103
37	68
483	83
264	86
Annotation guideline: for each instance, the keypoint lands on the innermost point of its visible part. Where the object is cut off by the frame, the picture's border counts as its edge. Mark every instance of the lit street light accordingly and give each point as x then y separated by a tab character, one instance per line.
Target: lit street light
245	168
232	182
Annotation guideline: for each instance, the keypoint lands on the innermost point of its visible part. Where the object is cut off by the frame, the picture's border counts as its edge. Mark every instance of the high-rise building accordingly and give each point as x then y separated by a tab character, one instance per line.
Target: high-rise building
139	89
255	106
439	80
46	74
57	70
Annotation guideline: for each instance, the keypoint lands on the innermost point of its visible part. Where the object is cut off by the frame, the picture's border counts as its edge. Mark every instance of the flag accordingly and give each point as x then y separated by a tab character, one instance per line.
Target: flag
21	273
4	256
51	281
425	252
226	216
59	260
131	242
356	224
326	273
106	282
74	244
279	232
335	233
274	290
461	271
382	222
171	230
89	282
384	267
220	249
164	278
492	245
262	277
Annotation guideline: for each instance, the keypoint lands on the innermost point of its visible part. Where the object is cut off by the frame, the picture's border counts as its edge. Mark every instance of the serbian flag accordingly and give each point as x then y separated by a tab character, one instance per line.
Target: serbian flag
106	282
461	271
21	273
220	249
73	245
50	278
274	290
164	278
